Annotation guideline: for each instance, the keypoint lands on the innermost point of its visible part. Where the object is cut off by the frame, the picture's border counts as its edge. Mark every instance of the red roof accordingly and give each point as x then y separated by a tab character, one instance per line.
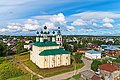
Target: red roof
95	77
110	67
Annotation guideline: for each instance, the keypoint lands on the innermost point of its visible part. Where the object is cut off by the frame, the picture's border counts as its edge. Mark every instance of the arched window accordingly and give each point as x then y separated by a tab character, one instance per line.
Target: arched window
58	39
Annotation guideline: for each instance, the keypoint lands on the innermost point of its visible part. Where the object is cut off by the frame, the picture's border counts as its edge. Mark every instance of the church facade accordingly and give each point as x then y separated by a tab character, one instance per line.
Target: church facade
49	54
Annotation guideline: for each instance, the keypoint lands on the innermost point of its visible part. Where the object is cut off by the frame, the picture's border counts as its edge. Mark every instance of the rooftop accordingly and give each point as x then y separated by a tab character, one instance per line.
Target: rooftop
87	73
46	43
53	52
93	52
95	77
111	48
110	67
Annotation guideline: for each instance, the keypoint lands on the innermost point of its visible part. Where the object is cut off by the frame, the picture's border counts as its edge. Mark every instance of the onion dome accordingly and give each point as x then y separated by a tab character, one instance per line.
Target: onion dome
37	32
45	27
53	32
48	32
59	33
58	27
41	32
45	32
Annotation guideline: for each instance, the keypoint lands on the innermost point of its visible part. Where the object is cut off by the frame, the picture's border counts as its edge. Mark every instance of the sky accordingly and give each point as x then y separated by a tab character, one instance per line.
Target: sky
74	17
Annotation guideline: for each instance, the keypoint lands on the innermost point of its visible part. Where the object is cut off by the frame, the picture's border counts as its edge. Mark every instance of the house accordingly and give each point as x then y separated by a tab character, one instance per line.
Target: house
89	75
93	46
28	46
48	54
92	54
110	71
82	50
10	43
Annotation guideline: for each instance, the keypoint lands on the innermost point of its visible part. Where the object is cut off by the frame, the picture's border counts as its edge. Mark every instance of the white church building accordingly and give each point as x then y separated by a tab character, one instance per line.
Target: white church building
49	54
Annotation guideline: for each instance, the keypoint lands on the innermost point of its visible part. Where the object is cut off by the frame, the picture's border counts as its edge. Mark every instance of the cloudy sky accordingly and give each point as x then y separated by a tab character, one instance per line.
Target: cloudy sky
75	17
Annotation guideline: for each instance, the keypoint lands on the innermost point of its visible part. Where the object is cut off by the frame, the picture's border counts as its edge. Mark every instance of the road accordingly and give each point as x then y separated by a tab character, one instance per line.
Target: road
70	74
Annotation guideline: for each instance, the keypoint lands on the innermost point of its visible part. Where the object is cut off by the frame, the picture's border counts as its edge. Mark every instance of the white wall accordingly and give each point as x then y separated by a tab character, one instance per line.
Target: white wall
93	56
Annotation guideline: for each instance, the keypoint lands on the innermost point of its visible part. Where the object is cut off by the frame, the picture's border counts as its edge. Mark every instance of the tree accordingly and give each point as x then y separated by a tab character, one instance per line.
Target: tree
2	50
75	46
78	57
20	47
109	43
95	64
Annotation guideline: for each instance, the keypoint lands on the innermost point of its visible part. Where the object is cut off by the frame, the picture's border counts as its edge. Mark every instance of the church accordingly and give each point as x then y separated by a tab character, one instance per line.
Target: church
48	53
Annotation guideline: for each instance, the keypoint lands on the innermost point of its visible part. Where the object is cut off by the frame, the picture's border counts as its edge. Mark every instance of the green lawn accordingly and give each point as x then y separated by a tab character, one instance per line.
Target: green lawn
12	71
24	77
46	73
77	76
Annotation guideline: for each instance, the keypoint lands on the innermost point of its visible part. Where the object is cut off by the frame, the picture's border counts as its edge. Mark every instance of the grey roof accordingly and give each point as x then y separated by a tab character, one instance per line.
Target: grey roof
111	48
88	74
93	52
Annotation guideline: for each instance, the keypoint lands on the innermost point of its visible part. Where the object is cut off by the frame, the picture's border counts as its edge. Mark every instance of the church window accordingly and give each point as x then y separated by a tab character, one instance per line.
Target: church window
53	59
66	57
45	59
58	39
66	63
60	44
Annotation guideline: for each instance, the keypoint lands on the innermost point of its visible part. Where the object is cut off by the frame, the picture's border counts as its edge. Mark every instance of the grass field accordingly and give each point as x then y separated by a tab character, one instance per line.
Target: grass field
46	73
12	71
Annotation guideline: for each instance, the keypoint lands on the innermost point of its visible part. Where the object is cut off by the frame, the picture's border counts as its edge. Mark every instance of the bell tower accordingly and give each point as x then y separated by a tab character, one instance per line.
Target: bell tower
59	37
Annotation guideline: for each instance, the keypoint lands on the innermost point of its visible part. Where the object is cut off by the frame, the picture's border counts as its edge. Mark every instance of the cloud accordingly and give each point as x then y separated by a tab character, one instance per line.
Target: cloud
79	22
30	27
59	18
3	30
85	30
107	20
31	21
69	28
49	25
95	24
108	25
12	27
96	15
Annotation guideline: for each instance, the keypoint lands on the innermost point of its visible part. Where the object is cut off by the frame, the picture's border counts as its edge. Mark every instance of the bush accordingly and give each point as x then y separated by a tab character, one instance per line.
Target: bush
2	50
95	64
2	60
76	76
20	47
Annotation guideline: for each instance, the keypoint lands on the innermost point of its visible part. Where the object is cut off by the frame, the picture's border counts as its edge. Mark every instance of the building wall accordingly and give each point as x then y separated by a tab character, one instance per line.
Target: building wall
93	56
110	76
49	61
60	40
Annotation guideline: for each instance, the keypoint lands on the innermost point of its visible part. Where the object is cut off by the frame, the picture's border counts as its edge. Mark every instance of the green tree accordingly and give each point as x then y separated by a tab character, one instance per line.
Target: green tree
20	47
77	57
109	43
75	47
95	64
2	50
